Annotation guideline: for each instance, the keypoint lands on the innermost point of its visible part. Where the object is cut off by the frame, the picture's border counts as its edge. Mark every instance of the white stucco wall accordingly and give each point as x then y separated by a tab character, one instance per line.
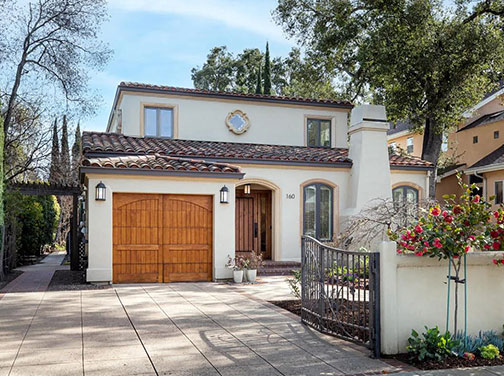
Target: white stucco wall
204	119
99	217
416	179
287	211
414	293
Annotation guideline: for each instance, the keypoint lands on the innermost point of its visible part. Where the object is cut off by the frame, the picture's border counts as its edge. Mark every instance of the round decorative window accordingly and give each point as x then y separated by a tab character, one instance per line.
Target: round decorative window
237	122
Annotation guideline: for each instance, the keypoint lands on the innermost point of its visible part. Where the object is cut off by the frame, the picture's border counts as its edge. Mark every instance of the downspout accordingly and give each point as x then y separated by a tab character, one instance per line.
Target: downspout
484	183
427	185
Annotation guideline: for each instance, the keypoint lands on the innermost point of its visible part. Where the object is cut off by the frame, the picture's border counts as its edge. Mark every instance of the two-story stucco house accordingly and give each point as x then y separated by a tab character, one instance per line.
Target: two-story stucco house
192	176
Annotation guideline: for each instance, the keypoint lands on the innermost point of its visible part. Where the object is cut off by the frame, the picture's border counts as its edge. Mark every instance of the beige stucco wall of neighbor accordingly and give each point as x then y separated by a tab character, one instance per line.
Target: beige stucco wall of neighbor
99	220
204	119
401	141
414	293
489	182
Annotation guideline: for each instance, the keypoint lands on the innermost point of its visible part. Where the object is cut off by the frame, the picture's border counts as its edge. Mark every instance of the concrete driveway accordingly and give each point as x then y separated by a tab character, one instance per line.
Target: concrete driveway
170	329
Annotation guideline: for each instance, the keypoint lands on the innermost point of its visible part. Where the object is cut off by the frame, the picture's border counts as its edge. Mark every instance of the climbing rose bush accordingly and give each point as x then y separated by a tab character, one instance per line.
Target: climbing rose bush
451	230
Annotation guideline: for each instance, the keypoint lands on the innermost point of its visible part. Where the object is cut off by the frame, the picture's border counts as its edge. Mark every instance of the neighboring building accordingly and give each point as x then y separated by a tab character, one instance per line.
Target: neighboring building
193	176
476	148
401	137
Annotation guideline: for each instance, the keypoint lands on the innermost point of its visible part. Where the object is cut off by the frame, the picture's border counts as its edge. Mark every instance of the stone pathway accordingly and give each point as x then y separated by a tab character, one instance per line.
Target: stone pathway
36	277
170	329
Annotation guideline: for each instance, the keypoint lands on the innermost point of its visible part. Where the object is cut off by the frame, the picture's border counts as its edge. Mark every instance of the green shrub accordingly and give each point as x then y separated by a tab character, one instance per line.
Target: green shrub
433	345
489	352
34	220
474	343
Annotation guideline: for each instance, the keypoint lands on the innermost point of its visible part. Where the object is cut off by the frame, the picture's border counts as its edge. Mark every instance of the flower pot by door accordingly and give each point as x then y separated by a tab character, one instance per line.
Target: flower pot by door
238	276
251	275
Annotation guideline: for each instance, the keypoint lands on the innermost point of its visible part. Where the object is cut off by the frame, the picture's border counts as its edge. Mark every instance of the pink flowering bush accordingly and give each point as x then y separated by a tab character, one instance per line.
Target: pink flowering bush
451	230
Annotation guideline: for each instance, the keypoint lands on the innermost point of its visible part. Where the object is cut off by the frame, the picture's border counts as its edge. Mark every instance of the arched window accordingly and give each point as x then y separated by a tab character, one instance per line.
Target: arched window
406	202
318	211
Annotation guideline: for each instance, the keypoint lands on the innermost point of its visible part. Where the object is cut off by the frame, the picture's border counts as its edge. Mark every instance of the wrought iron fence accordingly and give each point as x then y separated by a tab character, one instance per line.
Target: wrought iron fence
340	292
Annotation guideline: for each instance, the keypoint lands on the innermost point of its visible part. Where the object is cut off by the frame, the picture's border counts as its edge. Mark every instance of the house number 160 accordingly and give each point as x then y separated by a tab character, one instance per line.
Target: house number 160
290	196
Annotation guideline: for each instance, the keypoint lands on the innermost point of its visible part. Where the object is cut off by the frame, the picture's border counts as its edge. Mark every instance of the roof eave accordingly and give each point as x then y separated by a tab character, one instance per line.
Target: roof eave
229	96
412	168
152	172
486	168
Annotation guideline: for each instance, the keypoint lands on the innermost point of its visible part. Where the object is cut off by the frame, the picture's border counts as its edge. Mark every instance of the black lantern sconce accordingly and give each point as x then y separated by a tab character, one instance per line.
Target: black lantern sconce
224	193
101	192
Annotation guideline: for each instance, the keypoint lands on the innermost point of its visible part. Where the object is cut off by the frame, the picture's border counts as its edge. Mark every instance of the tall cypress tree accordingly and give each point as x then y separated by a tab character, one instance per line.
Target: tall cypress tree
76	153
65	164
267	72
258	84
54	172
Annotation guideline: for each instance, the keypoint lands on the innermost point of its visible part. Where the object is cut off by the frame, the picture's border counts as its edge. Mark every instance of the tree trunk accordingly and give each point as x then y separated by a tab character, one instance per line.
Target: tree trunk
431	150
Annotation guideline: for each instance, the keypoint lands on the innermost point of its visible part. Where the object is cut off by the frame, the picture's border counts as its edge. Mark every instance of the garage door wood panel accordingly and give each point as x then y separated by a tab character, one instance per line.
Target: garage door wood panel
162	238
187	238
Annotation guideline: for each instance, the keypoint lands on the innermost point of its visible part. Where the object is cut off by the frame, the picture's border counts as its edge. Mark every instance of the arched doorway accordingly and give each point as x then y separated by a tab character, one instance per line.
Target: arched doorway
254	219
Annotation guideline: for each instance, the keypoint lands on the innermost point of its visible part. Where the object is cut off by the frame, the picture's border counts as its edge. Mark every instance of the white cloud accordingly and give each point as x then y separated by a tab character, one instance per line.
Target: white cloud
249	15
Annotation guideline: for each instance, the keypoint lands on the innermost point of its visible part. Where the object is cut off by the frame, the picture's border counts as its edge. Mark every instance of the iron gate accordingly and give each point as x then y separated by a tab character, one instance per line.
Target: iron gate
340	292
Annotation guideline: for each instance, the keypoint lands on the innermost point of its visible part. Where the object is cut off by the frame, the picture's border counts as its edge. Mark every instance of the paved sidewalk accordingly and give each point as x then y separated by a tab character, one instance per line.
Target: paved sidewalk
38	276
170	329
476	371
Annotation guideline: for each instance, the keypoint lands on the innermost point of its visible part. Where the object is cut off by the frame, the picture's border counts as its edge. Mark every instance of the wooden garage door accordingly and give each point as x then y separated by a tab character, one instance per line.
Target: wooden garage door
162	238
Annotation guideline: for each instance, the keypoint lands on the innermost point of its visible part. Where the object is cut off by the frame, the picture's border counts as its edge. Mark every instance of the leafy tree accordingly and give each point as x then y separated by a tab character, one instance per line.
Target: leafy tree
216	73
267	72
54	172
65	164
259	83
427	60
293	75
2	214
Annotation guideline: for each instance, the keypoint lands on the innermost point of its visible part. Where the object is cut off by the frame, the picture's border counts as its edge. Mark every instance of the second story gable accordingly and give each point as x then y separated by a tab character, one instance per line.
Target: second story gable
159	111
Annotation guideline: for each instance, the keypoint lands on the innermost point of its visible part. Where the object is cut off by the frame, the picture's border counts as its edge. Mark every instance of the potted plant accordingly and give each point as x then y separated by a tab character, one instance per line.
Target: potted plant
255	261
236	264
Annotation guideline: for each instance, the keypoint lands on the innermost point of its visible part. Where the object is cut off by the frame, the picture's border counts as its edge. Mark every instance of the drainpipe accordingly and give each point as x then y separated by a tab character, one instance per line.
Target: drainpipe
484	183
427	184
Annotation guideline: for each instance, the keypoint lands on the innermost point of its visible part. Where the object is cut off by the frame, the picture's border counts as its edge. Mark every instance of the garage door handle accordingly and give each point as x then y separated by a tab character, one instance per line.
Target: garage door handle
255	230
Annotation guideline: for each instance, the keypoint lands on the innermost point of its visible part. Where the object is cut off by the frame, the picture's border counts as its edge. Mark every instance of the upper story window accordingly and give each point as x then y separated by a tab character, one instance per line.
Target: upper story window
158	122
409	145
318	132
444	145
393	146
318	211
475	139
496	134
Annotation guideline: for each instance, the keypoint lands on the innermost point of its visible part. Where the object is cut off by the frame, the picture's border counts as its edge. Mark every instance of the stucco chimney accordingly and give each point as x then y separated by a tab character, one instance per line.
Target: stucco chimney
370	175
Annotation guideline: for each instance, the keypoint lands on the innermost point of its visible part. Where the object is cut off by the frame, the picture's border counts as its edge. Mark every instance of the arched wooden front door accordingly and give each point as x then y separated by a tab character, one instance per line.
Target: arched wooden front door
161	238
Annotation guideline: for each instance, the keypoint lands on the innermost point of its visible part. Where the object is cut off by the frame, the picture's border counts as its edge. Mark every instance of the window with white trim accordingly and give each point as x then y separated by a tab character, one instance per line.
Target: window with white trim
409	145
158	122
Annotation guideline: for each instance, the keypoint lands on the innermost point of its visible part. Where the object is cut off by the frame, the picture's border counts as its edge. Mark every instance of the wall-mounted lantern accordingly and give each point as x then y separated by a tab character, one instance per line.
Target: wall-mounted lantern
101	192
246	189
224	192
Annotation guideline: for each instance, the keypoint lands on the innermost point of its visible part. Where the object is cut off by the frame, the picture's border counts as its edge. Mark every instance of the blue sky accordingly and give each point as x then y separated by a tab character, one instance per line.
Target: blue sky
159	41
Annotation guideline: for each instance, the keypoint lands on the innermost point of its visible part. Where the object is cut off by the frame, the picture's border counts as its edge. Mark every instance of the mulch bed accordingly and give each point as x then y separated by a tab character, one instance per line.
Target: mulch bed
450	362
11	276
293	306
64	280
347	318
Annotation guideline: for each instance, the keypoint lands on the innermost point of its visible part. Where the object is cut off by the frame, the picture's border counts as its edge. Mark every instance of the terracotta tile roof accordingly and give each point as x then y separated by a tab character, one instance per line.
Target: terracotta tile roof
160	163
399	160
101	144
233	95
93	142
495	157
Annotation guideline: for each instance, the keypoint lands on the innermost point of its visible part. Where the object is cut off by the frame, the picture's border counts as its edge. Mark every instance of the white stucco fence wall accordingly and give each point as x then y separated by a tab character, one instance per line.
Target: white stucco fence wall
414	293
